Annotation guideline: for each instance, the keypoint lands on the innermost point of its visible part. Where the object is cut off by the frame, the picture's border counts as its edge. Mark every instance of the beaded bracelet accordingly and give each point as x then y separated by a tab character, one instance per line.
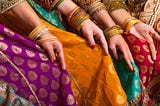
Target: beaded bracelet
112	31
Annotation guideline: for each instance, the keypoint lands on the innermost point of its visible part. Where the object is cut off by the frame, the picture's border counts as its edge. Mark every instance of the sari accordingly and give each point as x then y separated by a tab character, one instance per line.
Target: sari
149	70
9	98
32	76
94	81
126	76
26	67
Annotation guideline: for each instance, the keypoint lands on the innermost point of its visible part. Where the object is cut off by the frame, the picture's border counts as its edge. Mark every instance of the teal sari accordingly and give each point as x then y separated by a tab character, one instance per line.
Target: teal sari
9	98
130	80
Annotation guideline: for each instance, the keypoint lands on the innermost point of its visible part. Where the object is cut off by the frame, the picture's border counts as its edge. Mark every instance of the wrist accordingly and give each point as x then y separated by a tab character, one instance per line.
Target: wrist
129	22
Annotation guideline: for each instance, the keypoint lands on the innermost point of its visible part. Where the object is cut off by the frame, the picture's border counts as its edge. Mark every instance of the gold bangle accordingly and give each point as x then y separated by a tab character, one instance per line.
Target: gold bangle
112	31
72	12
37	31
46	39
77	17
130	24
126	21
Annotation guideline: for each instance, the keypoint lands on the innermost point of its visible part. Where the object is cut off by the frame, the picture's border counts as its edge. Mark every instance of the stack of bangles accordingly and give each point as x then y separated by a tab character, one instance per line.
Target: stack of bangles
95	7
129	22
76	18
37	32
112	31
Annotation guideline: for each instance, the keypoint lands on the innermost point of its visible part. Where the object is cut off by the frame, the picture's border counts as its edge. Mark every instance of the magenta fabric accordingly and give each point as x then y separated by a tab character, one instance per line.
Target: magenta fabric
149	70
50	83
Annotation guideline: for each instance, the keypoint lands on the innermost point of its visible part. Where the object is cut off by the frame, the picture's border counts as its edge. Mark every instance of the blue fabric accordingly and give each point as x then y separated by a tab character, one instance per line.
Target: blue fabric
130	80
9	98
50	17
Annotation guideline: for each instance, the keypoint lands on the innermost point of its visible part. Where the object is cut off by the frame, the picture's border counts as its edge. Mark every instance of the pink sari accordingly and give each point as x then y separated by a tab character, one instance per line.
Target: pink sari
149	70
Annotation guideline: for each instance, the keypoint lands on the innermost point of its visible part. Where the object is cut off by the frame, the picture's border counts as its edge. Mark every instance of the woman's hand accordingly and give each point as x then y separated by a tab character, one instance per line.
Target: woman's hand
147	33
54	48
94	34
118	42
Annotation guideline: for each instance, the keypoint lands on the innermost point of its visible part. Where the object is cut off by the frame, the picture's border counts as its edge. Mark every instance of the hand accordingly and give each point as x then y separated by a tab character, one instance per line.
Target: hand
119	42
145	32
93	33
54	49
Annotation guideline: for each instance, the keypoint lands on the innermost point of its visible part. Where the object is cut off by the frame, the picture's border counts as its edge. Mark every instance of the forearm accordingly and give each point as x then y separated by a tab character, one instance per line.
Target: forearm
119	16
104	19
66	7
26	14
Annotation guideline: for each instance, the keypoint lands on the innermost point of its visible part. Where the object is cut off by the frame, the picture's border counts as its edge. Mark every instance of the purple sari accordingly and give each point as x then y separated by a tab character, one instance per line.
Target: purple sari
48	84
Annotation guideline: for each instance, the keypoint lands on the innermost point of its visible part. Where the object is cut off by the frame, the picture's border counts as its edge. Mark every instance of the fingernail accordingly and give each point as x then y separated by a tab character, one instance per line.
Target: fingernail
93	46
116	60
134	66
106	54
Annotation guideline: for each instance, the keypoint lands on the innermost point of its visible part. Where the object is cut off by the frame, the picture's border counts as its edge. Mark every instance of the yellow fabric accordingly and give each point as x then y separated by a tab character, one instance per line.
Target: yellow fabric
93	71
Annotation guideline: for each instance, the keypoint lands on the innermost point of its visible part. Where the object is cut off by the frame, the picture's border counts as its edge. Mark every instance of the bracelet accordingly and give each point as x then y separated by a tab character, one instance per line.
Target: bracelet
112	31
72	12
37	32
129	22
40	41
95	7
58	3
76	18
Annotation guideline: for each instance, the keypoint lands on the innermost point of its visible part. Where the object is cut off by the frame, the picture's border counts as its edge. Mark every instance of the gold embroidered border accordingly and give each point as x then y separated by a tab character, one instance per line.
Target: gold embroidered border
8	4
148	89
79	88
134	101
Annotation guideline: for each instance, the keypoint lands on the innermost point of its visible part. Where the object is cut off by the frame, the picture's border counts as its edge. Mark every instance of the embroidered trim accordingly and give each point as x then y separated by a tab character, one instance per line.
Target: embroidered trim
8	4
19	71
148	89
79	88
134	101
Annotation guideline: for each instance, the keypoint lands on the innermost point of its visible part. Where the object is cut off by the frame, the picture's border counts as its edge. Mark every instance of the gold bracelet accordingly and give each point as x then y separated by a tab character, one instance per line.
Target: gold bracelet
112	31
126	22
77	18
40	41
36	32
72	12
130	24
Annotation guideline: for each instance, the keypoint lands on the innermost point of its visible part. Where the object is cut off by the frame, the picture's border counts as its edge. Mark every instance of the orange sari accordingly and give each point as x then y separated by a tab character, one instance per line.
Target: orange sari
93	77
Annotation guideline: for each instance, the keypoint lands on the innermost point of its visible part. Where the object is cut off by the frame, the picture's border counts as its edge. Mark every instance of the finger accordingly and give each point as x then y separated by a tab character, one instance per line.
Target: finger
126	55
61	58
90	39
114	51
154	34
104	44
151	46
152	49
131	59
51	54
